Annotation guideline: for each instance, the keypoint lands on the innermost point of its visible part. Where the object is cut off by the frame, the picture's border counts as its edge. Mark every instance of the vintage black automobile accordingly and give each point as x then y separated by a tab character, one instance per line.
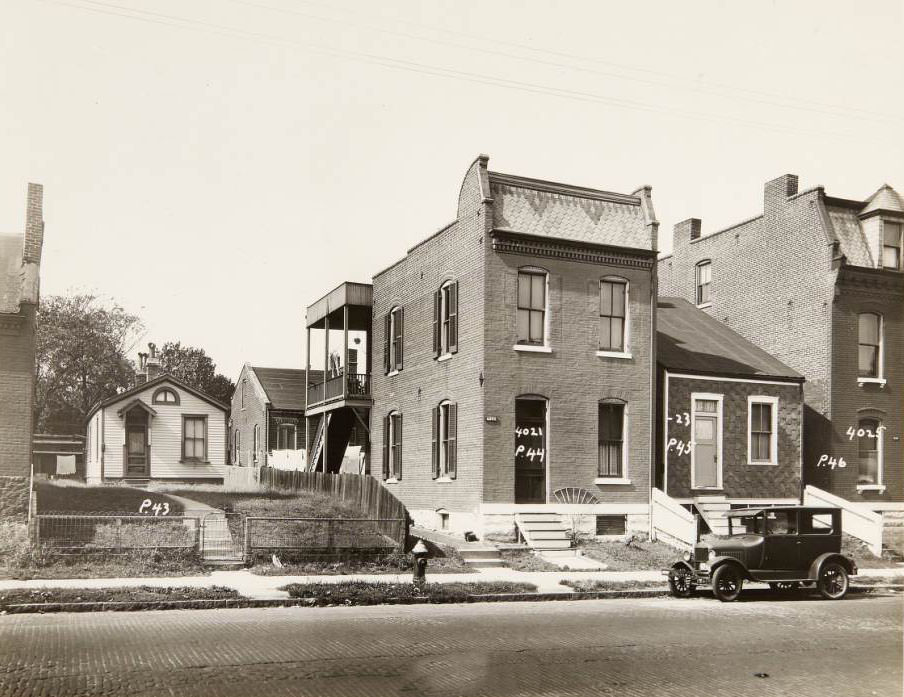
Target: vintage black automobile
787	547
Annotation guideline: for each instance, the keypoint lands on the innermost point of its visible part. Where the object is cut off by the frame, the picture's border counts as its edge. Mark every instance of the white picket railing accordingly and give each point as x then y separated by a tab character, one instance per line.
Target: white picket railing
856	519
670	522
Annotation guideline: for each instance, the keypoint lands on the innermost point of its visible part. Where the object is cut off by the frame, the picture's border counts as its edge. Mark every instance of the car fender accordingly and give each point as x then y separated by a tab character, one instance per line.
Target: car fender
722	561
823	559
681	563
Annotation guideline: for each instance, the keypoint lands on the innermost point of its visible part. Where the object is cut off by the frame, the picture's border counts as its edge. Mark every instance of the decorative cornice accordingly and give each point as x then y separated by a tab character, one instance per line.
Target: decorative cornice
514	243
871	281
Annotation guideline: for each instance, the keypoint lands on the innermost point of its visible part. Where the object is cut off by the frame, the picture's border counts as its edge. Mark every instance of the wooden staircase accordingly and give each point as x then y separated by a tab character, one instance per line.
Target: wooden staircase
713	509
543	530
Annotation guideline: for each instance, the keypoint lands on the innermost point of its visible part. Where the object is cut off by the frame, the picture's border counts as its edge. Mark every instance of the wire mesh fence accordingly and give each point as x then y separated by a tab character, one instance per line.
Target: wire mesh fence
307	537
104	532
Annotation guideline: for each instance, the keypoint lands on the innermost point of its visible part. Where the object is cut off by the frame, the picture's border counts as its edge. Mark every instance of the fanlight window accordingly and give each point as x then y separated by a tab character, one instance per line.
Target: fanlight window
165	396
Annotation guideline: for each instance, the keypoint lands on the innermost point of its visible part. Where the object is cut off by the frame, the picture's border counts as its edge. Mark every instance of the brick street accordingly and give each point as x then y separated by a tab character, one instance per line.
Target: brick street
623	647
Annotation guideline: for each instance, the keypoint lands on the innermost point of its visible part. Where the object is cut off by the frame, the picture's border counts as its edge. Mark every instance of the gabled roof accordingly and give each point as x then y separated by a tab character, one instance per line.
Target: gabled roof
285	387
136	403
885	199
550	209
165	377
688	340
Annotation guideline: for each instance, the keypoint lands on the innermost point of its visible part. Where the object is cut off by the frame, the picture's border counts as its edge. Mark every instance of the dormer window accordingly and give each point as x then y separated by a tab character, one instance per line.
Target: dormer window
891	245
165	396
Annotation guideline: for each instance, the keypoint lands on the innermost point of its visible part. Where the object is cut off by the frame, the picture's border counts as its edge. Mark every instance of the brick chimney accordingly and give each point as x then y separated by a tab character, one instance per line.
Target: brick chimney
34	224
140	376
777	191
685	231
152	365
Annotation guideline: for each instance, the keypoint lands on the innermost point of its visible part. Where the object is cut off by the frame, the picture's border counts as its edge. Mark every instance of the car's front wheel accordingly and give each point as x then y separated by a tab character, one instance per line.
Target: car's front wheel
833	581
681	584
727	582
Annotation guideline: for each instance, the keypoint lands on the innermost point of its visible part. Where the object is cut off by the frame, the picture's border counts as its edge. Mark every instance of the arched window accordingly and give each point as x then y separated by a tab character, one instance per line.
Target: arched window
165	396
613	314
532	306
392	446
870	448
704	278
445	441
392	340
870	346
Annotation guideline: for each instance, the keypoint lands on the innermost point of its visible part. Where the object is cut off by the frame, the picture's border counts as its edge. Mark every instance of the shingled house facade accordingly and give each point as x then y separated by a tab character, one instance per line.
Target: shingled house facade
20	264
817	281
517	368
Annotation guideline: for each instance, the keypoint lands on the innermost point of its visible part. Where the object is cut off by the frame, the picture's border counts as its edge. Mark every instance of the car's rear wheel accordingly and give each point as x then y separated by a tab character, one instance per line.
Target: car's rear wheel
680	582
784	586
727	583
833	581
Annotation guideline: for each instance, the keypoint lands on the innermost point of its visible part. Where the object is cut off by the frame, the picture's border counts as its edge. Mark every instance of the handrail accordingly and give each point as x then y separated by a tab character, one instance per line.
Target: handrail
355	385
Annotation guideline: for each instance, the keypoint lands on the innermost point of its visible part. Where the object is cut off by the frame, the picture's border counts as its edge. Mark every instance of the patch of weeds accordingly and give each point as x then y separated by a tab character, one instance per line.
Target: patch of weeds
363	593
589	586
137	594
631	553
525	560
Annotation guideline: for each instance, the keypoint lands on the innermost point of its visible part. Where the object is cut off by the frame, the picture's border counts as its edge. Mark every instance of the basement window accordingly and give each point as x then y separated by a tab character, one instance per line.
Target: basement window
611	524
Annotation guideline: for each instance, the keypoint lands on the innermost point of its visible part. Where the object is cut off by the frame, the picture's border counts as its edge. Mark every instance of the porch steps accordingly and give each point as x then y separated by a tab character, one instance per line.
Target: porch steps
713	510
481	556
893	532
543	531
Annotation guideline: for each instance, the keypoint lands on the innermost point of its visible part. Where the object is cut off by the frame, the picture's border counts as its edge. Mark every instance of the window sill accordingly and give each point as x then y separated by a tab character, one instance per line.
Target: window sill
871	487
703	306
871	381
762	463
444	480
198	462
528	348
613	354
391	480
444	357
611	480
391	373
706	488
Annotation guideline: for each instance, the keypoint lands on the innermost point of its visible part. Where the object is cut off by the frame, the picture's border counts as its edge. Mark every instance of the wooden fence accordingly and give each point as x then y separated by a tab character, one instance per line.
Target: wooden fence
362	491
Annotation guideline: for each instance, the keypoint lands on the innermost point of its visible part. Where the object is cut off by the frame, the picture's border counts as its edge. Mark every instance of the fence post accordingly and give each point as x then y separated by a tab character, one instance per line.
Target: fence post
246	544
119	535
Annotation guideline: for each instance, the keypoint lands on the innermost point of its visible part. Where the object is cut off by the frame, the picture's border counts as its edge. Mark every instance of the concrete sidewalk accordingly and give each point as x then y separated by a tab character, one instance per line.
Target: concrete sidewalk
267	587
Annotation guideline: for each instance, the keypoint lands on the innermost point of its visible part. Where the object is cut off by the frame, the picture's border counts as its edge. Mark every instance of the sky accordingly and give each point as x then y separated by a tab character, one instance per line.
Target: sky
215	166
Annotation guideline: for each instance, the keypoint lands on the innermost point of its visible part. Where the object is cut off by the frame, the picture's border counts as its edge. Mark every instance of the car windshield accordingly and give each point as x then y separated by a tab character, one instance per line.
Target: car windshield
746	525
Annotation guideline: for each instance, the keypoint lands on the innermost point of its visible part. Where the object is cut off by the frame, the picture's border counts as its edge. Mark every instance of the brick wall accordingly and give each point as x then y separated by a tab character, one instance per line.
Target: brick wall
244	420
454	254
739	479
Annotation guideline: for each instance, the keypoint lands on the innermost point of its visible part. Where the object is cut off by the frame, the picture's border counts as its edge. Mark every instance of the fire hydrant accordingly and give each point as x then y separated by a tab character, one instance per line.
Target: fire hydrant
420	552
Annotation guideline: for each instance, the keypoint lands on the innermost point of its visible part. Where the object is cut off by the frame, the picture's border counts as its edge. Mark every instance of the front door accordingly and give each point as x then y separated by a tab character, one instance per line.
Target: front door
706	452
136	451
530	450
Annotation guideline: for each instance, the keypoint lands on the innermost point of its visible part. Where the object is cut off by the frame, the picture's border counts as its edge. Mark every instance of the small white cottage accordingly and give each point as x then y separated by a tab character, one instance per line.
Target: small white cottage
162	429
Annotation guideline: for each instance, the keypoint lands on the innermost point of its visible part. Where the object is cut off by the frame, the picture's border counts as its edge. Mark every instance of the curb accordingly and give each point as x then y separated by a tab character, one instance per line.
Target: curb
128	606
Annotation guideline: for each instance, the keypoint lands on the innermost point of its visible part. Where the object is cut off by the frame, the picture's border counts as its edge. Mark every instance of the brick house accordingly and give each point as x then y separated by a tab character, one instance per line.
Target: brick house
266	424
729	416
817	282
514	351
160	430
20	265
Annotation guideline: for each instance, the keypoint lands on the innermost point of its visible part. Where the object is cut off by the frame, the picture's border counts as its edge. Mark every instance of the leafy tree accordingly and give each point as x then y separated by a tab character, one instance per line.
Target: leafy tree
82	357
194	367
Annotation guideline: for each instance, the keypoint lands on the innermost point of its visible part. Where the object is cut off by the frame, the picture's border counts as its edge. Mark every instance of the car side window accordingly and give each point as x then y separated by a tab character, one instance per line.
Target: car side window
782	522
816	523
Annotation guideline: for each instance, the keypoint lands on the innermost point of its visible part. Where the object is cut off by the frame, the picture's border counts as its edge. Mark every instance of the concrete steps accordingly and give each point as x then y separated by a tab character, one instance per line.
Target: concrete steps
481	556
713	510
543	531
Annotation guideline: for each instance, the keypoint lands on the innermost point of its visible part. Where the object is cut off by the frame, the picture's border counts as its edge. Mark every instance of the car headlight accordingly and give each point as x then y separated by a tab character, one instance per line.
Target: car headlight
687	556
712	554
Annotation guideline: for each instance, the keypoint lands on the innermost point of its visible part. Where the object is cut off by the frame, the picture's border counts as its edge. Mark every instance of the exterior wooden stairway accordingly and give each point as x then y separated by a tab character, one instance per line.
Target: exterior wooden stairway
543	530
713	509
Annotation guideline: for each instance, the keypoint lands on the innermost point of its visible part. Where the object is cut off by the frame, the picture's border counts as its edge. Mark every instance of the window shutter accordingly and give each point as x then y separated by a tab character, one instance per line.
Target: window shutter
453	318
436	332
398	473
452	465
401	333
387	339
385	447
435	449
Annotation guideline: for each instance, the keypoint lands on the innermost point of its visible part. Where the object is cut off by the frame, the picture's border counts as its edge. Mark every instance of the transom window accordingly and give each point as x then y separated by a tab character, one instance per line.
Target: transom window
891	245
613	315
194	438
445	441
165	396
704	282
532	308
611	439
392	446
870	345
392	340
869	452
761	436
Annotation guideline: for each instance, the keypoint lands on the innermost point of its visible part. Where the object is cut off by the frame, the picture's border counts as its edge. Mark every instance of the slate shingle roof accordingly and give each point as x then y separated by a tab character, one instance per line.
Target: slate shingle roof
850	235
690	341
536	207
285	387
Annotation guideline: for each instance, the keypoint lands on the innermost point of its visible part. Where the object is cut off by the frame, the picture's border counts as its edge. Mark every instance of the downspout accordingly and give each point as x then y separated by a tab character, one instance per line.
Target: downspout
103	444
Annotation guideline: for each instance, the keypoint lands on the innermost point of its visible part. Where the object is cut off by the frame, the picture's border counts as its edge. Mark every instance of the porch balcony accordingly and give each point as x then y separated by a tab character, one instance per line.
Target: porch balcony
352	387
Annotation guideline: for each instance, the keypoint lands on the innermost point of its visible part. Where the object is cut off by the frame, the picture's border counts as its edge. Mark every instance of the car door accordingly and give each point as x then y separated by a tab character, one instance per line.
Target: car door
782	543
820	532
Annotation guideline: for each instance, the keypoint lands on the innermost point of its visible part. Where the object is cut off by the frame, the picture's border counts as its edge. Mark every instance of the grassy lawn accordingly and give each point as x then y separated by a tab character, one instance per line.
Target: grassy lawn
135	565
592	586
525	560
138	594
300	504
640	555
361	593
73	497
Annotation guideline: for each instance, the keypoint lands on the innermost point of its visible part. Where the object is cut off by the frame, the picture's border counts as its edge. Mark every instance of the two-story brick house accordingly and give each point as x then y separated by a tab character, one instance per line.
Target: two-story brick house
817	281
20	264
514	358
